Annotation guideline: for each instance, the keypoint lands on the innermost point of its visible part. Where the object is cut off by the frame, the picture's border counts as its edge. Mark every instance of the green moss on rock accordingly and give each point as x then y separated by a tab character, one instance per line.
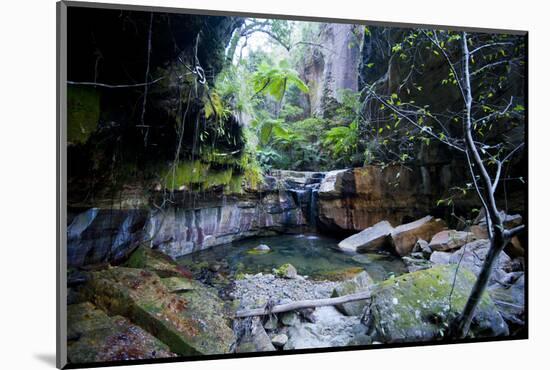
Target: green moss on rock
190	323
93	336
358	283
419	306
83	111
155	261
286	271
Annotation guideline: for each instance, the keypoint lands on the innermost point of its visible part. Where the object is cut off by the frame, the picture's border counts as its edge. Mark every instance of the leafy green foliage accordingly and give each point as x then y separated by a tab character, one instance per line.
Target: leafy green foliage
342	141
83	113
275	80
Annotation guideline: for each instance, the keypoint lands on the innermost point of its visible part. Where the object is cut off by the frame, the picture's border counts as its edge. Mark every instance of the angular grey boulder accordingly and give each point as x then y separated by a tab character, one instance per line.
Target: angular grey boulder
330	329
416	263
279	340
447	240
359	283
510	299
371	239
256	340
472	256
440	258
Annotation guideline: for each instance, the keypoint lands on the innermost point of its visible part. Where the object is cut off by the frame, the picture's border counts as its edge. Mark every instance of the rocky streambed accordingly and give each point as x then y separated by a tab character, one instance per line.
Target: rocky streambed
154	307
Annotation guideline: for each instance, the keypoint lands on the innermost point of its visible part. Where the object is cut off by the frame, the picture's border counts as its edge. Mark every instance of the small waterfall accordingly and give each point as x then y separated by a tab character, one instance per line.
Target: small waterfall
305	194
313	211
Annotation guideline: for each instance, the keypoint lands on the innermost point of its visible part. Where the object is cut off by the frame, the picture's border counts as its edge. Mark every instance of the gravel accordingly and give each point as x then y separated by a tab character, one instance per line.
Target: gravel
256	290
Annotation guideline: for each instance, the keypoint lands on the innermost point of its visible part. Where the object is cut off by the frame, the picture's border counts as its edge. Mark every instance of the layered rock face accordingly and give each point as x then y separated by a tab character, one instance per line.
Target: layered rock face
194	222
358	198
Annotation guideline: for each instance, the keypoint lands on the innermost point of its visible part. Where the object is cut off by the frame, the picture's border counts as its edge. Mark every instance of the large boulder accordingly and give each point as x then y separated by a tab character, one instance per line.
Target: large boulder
405	236
472	256
329	329
510	299
479	231
440	258
509	221
286	271
419	306
450	239
155	261
93	336
371	239
190	323
415	263
255	339
514	248
359	283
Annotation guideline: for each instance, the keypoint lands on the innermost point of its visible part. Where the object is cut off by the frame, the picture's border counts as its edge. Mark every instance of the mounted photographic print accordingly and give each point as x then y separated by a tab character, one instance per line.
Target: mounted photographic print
236	185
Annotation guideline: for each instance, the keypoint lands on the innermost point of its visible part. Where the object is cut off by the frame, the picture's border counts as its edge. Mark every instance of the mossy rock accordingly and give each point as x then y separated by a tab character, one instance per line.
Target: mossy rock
93	336
240	275
190	323
155	261
197	175
286	271
179	284
417	306
83	112
359	283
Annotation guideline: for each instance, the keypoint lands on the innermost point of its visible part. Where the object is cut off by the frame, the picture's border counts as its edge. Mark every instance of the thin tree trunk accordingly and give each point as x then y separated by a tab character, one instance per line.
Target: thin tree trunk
461	325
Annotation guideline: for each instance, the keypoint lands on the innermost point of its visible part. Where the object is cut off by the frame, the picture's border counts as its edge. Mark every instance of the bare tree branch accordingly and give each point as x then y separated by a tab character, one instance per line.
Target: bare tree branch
123	86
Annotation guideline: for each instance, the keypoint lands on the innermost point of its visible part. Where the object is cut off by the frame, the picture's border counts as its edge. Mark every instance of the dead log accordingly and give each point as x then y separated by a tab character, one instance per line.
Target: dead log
308	303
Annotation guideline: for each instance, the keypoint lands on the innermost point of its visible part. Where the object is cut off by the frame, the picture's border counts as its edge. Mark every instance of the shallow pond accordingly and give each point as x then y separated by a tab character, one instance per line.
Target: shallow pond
313	255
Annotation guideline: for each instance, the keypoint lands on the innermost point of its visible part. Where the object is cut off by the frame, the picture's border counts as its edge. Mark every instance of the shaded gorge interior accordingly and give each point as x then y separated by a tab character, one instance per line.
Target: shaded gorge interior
222	164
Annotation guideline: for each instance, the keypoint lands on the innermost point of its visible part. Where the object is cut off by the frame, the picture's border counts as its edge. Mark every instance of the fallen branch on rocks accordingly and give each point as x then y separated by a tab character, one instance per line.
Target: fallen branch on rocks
308	303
